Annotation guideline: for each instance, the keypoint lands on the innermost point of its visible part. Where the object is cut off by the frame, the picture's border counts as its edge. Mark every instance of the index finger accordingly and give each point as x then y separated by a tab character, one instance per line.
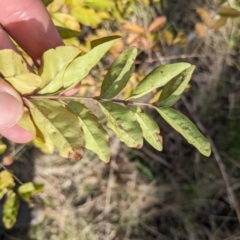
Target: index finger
29	24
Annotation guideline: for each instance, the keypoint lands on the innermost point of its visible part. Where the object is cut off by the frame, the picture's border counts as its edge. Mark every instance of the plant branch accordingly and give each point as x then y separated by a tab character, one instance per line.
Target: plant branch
99	99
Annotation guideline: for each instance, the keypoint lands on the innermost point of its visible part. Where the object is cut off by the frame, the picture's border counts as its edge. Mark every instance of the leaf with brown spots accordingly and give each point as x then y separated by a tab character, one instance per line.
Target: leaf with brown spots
158	78
150	129
172	91
59	126
119	73
15	71
96	136
124	123
187	129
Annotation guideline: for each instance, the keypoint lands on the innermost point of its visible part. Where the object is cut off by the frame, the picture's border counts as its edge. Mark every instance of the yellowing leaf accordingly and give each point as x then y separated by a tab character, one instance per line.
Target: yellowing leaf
7	68
228	12
28	190
10	209
65	20
104	15
86	16
157	24
172	91
6	180
133	28
99	5
14	69
25	83
26	122
81	66
205	16
150	129
96	136
56	5
123	122
219	23
168	36
40	143
45	147
50	117
200	30
119	73
180	38
158	78
54	64
187	129
3	147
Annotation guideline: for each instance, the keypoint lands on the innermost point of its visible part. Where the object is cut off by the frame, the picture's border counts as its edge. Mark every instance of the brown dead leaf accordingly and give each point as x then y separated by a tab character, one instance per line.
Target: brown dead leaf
200	30
157	24
129	27
205	16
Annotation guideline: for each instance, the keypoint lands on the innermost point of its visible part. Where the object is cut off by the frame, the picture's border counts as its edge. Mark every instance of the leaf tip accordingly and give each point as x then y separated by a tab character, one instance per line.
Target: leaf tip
76	154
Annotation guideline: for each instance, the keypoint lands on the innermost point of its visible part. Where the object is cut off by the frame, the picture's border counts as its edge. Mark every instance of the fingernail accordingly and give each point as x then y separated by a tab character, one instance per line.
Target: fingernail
10	110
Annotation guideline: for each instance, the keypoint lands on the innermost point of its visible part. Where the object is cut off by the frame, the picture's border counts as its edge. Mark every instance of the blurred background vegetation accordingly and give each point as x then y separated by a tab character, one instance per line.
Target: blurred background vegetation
144	194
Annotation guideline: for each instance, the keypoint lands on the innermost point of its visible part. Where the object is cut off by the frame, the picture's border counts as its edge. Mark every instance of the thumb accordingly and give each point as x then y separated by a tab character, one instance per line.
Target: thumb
11	106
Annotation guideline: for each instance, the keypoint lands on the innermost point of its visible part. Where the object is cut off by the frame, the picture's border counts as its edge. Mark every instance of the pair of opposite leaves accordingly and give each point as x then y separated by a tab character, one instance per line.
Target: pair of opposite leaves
65	123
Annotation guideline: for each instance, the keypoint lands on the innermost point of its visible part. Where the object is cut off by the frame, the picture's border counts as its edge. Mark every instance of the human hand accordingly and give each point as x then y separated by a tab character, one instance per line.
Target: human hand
29	24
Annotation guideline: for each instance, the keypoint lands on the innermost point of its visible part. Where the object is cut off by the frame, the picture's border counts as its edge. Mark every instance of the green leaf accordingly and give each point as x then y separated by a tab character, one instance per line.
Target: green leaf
158	78
228	12
3	147
119	73
59	126
6	180
10	209
172	90
187	129
99	41
81	66
66	33
54	64
96	136
26	122
99	5
47	2
145	170
123	122
150	129
86	16
28	190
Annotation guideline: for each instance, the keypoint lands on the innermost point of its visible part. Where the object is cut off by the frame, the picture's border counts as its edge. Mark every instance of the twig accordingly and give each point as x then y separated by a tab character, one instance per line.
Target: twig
218	159
186	56
60	97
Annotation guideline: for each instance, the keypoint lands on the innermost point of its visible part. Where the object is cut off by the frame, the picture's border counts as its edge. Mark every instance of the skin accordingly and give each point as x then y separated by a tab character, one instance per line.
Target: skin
29	24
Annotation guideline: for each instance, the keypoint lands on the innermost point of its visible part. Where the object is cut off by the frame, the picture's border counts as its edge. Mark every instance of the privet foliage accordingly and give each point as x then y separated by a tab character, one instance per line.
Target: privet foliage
70	126
12	197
